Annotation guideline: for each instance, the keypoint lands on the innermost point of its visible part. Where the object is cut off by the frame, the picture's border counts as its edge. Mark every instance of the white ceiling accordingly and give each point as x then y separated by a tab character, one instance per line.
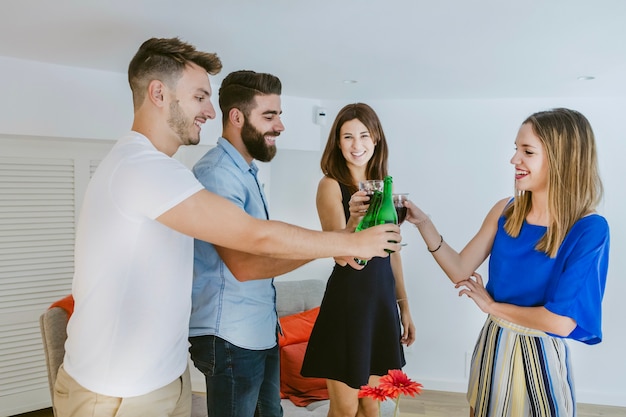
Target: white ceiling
393	48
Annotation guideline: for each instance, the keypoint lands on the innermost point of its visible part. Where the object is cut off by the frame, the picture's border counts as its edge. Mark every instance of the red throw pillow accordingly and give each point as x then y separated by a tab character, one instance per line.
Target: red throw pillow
66	303
297	327
300	390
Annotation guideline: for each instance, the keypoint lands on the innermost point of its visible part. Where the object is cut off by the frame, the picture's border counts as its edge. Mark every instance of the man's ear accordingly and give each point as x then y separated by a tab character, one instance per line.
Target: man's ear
236	117
156	91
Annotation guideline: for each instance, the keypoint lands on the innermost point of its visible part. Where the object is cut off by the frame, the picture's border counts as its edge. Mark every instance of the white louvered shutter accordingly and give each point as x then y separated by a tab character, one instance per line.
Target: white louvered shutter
42	181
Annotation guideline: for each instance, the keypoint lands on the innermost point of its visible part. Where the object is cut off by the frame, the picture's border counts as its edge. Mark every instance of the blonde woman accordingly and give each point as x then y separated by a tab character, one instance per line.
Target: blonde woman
548	263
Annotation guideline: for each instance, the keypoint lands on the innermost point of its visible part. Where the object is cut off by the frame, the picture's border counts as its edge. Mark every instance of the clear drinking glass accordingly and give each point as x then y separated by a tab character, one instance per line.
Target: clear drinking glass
369	186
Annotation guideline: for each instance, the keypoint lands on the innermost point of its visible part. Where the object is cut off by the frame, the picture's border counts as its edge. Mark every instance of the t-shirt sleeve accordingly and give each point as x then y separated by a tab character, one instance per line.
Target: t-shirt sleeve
579	290
152	184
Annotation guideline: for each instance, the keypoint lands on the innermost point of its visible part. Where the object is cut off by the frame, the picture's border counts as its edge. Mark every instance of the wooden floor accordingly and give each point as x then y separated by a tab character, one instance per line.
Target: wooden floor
443	404
452	404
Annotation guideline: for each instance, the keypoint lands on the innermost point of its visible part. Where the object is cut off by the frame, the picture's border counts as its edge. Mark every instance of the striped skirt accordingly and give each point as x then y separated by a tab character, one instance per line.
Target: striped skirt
520	372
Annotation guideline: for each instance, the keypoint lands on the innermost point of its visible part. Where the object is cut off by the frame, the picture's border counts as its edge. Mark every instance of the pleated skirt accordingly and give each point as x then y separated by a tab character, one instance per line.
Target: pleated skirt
520	372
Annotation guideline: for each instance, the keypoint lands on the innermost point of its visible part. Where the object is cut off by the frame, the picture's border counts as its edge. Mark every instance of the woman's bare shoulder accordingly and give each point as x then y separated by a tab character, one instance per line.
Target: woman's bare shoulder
327	181
502	204
497	209
328	185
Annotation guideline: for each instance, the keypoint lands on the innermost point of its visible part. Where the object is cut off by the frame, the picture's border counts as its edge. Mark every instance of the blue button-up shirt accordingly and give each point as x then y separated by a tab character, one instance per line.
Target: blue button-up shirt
243	313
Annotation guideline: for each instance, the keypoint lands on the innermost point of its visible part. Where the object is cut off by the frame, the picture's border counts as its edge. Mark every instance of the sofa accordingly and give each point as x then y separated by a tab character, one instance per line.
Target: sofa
293	299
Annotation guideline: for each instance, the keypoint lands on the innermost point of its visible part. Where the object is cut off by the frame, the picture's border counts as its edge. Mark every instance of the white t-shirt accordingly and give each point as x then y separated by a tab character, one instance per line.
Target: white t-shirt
132	280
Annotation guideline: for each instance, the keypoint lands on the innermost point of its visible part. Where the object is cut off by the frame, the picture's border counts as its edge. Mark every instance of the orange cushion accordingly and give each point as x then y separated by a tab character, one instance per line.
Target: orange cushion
300	390
296	332
66	303
297	327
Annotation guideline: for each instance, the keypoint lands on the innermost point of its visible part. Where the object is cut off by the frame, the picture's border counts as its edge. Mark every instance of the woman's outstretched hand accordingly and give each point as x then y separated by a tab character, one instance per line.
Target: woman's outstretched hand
474	288
414	214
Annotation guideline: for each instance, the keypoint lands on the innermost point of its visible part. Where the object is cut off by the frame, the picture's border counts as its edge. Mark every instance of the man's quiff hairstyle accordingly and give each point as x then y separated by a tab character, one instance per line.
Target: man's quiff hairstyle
164	59
239	89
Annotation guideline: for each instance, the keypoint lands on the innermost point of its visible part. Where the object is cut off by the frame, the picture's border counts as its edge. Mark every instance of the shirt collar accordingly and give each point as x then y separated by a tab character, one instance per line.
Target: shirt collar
237	158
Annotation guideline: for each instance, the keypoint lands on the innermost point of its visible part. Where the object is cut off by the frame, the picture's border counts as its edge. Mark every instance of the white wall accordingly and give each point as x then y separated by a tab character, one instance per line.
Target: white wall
452	156
53	100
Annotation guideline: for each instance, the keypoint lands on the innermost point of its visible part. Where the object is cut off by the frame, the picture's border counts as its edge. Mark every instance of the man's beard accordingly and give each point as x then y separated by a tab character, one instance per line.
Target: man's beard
255	142
178	123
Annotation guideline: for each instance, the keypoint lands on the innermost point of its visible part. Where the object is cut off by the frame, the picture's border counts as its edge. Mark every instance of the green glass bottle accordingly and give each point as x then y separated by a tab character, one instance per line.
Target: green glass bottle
387	211
369	219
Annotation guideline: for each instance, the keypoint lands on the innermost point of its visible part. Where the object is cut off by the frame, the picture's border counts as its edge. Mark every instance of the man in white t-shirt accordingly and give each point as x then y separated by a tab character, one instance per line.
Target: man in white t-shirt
126	352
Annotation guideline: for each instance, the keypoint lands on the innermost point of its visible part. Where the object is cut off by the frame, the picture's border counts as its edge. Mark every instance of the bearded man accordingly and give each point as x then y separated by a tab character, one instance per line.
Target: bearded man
234	322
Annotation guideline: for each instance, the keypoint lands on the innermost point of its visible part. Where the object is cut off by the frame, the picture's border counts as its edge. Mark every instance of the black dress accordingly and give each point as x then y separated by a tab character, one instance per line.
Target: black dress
357	332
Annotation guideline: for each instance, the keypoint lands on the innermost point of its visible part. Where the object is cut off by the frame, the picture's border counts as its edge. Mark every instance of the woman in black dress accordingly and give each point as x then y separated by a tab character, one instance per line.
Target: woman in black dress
357	337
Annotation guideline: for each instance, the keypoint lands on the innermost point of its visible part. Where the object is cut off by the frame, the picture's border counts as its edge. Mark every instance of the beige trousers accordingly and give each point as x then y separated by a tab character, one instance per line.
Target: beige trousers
73	400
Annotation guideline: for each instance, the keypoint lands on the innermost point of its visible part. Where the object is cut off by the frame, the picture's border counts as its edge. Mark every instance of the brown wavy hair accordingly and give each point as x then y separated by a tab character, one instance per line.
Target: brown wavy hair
333	163
574	185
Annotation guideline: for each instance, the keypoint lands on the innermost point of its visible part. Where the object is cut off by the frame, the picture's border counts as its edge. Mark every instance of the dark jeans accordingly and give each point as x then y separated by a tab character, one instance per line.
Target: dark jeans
239	382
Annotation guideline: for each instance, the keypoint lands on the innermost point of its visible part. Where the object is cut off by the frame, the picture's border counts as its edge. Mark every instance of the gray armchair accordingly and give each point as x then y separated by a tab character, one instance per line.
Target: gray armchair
53	323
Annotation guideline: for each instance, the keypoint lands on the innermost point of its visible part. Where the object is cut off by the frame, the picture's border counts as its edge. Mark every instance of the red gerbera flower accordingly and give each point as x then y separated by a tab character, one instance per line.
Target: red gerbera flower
397	382
376	393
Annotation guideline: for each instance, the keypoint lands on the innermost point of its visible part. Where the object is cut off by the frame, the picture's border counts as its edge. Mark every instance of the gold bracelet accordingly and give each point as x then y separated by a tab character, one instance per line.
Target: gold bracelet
437	248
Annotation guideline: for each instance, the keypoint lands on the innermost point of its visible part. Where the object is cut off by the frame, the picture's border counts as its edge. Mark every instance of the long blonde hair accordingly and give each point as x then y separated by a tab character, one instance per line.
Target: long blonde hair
574	185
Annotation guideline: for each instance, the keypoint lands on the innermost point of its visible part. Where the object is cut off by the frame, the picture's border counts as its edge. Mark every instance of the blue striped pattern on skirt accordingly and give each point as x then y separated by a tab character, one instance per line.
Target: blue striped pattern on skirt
520	372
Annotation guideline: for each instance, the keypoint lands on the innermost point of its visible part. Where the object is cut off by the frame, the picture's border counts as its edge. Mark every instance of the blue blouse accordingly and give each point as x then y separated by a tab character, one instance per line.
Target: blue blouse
571	284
